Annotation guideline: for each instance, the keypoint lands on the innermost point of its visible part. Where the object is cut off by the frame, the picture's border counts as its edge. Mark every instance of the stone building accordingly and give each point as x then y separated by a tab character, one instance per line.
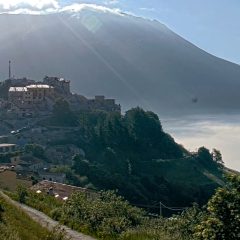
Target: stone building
61	85
26	100
31	94
102	103
39	92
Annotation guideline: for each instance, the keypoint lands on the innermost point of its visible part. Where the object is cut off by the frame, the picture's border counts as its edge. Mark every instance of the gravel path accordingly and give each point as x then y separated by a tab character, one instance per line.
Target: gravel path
46	221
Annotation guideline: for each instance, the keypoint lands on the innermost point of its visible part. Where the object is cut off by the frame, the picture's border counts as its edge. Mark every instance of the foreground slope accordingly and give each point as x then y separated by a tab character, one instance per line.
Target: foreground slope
137	61
15	224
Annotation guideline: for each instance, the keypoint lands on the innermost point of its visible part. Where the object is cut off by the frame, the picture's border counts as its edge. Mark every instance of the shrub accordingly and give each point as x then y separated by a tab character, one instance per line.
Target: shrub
107	214
21	194
223	213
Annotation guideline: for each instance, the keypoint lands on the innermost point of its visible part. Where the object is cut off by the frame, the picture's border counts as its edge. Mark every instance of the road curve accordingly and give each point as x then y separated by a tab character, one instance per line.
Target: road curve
46	221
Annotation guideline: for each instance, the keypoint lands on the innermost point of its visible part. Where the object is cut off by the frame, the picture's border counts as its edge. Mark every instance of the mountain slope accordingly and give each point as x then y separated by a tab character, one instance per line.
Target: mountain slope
137	61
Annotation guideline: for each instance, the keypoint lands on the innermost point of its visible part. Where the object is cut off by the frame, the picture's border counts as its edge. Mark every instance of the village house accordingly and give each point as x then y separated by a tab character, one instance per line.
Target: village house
30	95
25	100
7	148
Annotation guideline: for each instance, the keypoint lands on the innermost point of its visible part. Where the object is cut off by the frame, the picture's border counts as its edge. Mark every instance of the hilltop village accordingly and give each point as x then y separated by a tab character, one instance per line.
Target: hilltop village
26	154
27	98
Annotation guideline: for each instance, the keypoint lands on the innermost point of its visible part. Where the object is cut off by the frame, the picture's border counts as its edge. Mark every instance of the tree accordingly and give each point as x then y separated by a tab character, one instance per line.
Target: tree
22	193
217	157
35	149
204	155
143	125
223	219
80	165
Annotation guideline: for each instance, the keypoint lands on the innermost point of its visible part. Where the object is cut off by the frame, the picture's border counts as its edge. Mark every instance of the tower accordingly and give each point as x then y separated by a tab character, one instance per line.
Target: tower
9	70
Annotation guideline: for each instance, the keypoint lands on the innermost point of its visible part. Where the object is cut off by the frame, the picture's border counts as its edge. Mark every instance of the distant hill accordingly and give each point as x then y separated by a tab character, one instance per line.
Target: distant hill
136	61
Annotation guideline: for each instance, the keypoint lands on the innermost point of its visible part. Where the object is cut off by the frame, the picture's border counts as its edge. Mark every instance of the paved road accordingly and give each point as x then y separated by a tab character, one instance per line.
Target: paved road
45	221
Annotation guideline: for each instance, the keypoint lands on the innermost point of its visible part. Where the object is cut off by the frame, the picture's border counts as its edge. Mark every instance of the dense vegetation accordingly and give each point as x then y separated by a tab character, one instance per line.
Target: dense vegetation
108	216
133	154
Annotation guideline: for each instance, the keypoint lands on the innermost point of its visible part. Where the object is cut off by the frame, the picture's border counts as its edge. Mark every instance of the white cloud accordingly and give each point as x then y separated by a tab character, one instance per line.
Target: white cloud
78	7
36	5
48	6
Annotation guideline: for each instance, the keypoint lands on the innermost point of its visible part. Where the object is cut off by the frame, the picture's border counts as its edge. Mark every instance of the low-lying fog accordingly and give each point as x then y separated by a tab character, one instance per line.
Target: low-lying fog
220	131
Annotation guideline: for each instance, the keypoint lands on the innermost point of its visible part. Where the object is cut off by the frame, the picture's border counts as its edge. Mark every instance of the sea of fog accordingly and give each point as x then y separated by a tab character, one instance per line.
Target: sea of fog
212	131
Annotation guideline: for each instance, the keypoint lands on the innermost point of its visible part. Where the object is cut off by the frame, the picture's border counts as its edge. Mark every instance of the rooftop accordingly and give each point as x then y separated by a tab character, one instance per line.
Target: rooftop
33	86
18	89
63	190
7	145
39	86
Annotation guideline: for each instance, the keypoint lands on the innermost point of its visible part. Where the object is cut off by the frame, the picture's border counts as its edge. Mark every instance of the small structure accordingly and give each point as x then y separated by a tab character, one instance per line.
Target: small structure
8	148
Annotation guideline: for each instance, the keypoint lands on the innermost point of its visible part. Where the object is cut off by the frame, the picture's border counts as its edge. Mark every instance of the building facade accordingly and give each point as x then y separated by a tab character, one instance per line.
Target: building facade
26	100
7	148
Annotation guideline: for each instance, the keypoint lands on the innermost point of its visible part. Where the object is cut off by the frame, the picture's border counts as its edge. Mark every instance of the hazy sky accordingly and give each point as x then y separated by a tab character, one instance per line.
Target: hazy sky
213	25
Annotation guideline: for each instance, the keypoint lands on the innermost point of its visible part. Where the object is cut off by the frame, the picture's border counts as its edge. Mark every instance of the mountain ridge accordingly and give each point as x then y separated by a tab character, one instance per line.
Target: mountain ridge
138	61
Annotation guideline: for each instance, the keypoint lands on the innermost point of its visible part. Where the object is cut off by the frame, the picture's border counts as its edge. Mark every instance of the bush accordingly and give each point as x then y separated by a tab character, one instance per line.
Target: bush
21	194
106	214
223	213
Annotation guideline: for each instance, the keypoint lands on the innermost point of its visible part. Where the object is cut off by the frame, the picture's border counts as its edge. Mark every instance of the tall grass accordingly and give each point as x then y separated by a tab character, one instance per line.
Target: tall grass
17	225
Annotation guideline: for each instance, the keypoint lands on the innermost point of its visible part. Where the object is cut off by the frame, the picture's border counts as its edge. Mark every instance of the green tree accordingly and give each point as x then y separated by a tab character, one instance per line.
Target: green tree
80	165
22	193
222	221
35	149
105	214
217	157
205	158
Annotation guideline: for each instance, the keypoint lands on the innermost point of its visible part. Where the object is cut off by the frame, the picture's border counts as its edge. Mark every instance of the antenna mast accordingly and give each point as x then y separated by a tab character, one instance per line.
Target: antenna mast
9	70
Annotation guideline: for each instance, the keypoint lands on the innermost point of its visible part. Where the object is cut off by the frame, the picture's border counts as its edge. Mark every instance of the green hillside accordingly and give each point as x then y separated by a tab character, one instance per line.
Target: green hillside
133	154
